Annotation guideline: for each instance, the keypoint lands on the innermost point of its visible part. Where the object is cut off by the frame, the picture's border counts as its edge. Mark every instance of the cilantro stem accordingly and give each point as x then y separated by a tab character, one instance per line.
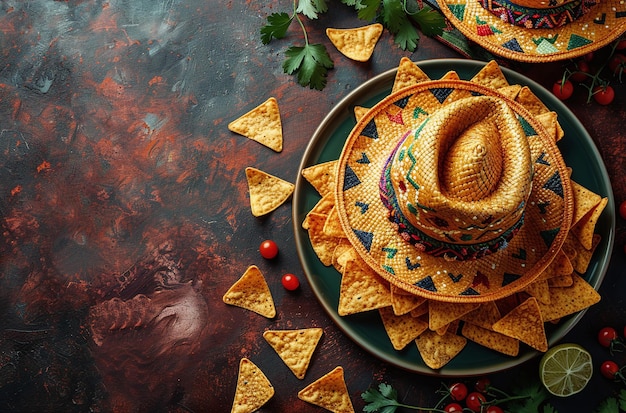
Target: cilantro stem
295	14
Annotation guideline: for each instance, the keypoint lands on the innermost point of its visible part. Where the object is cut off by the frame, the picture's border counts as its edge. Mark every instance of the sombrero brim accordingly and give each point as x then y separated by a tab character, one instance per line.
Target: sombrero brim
604	23
364	217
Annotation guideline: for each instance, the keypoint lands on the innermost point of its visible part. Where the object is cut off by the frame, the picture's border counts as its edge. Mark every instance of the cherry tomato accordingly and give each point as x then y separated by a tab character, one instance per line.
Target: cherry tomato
621	44
482	385
580	73
453	408
564	91
603	95
458	391
607	336
609	369
494	409
622	210
290	282
588	57
475	401
617	64
268	249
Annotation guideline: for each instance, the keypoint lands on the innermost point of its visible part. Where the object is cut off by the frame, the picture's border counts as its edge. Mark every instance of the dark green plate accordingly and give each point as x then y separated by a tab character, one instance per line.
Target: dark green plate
366	329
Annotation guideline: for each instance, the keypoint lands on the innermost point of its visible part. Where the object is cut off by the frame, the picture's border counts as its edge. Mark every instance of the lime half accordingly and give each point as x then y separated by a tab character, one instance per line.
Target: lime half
565	369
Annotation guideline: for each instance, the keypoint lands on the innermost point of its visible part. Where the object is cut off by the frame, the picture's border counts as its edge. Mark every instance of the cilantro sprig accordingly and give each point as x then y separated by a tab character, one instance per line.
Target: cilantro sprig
310	63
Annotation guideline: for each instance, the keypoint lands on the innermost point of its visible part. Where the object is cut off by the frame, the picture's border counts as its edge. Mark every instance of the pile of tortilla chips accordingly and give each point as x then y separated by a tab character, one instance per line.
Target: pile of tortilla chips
440	330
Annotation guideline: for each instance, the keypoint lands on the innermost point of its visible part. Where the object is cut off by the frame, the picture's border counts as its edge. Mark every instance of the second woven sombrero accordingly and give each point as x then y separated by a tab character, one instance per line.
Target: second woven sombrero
538	30
451	191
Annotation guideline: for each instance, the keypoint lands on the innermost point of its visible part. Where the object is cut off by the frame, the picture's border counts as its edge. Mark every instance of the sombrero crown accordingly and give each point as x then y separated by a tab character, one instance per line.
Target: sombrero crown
451	191
457	187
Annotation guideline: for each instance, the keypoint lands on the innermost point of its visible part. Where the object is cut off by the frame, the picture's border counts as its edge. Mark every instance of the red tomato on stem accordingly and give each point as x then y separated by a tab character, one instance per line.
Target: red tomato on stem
458	391
622	210
603	95
609	369
475	401
563	90
453	408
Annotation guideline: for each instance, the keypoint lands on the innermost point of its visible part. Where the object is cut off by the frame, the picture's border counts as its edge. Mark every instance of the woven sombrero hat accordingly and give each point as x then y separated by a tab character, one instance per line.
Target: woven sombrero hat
538	30
451	191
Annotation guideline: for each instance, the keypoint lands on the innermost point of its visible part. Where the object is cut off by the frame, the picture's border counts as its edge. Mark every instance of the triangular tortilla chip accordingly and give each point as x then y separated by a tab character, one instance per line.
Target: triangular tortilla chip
359	112
322	207
550	122
330	392
294	347
357	43
361	290
332	226
569	300
584	201
524	323
511	91
540	290
253	388
484	316
261	124
437	350
402	302
531	102
491	339
321	176
584	229
583	256
491	76
408	74
323	245
441	313
267	192
252	293
401	329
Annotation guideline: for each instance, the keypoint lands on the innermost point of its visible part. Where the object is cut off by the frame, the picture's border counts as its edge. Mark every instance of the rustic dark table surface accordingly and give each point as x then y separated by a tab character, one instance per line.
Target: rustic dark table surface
118	175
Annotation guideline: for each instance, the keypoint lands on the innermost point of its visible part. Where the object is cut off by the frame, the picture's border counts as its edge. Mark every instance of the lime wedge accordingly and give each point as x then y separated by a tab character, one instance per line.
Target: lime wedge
565	369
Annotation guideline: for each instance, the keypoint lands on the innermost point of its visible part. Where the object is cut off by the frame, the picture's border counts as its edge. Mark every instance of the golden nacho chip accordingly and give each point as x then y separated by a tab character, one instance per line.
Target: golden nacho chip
321	176
359	112
550	122
451	75
332	226
267	192
408	74
584	201
437	350
585	227
569	300
491	339
583	256
253	388
525	323
330	392
441	313
402	302
420	310
401	329
484	316
491	76
540	289
560	281
252	293
560	265
357	43
262	124
531	102
323	245
361	290
322	207
511	91
294	347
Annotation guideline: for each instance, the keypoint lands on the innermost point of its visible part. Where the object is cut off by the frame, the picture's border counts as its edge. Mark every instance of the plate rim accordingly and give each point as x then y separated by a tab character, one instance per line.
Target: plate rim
363	91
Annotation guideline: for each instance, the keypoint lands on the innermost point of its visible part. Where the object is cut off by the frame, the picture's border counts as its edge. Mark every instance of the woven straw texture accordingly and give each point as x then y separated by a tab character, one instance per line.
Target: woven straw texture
597	27
364	216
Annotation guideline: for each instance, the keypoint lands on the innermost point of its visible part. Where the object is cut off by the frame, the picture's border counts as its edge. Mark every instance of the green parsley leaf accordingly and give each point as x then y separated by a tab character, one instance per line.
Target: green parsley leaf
277	26
536	395
548	408
383	400
431	22
608	406
311	8
367	9
310	62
